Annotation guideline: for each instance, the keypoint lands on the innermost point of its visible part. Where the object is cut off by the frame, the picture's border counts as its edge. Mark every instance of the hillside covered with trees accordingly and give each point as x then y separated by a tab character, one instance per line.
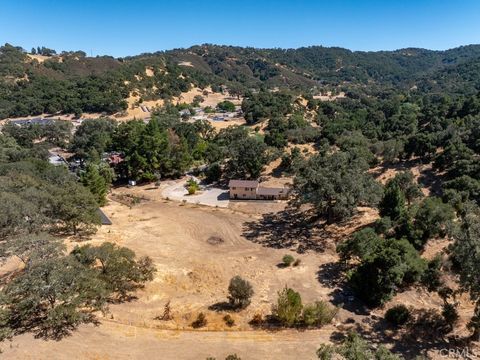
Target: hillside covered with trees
71	82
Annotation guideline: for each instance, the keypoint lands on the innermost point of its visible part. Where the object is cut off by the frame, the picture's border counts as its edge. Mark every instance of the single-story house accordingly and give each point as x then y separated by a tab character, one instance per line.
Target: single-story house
34	121
56	160
251	190
272	193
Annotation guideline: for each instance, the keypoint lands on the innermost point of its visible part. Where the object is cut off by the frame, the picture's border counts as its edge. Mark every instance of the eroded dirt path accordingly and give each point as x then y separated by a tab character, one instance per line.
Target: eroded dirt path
113	341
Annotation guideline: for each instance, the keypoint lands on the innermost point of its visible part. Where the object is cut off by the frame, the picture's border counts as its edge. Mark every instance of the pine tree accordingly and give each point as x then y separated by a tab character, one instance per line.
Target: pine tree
96	183
393	202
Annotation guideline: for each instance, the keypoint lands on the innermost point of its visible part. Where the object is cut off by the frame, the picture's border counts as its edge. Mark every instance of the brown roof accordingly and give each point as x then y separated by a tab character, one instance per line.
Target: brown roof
270	191
243	183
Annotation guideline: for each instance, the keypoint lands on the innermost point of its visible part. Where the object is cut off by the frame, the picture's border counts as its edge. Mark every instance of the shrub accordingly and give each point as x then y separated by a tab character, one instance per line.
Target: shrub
288	260
289	307
197	99
226	106
397	315
355	348
257	320
233	357
450	314
393	202
240	292
200	321
430	219
431	278
303	135
192	186
318	314
229	320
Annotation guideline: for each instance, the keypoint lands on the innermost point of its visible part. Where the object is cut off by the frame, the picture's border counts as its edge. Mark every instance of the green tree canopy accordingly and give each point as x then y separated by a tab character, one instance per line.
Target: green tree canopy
336	184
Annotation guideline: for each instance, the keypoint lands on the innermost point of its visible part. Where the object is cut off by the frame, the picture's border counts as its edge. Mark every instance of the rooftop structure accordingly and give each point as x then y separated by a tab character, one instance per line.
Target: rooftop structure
103	218
251	190
56	160
36	121
243	183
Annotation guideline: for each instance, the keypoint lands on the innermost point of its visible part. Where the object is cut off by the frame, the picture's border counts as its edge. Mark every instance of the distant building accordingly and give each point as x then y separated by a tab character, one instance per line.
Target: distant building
34	121
113	158
251	190
57	160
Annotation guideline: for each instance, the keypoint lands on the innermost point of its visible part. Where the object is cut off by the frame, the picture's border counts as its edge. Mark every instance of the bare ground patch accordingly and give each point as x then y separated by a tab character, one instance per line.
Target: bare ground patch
196	251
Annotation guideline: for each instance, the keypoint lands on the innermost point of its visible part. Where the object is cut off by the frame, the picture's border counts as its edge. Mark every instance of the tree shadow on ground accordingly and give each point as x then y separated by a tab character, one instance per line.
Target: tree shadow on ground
431	180
54	332
290	229
425	332
125	298
332	275
344	298
300	230
278	171
221	306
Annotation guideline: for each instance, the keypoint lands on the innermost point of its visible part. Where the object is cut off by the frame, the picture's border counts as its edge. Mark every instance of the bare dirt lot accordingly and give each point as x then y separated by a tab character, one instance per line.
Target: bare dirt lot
196	250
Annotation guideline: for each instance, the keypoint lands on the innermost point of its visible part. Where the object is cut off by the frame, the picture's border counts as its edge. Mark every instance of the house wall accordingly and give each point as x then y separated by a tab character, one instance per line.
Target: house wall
267	197
281	196
243	193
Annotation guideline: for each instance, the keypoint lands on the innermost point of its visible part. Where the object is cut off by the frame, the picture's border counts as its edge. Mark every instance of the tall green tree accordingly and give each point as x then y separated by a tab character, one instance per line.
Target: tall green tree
248	156
55	293
395	263
93	138
76	209
52	297
116	266
466	259
393	202
96	183
336	184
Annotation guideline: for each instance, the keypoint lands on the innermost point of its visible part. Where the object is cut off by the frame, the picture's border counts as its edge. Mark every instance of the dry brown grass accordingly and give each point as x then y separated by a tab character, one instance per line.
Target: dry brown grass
194	268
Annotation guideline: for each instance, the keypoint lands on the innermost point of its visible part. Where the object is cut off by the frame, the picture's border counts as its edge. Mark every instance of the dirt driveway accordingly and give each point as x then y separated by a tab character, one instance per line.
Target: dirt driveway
209	195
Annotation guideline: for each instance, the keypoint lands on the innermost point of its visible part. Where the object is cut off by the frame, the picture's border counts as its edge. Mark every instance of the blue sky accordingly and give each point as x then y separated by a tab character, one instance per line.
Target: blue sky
124	27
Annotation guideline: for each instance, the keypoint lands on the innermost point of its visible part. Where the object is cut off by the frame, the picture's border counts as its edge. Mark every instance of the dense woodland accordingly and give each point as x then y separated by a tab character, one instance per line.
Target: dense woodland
410	106
70	82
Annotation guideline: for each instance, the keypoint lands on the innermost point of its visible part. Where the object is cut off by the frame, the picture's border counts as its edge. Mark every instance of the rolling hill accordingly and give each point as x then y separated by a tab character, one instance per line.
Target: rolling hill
71	82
